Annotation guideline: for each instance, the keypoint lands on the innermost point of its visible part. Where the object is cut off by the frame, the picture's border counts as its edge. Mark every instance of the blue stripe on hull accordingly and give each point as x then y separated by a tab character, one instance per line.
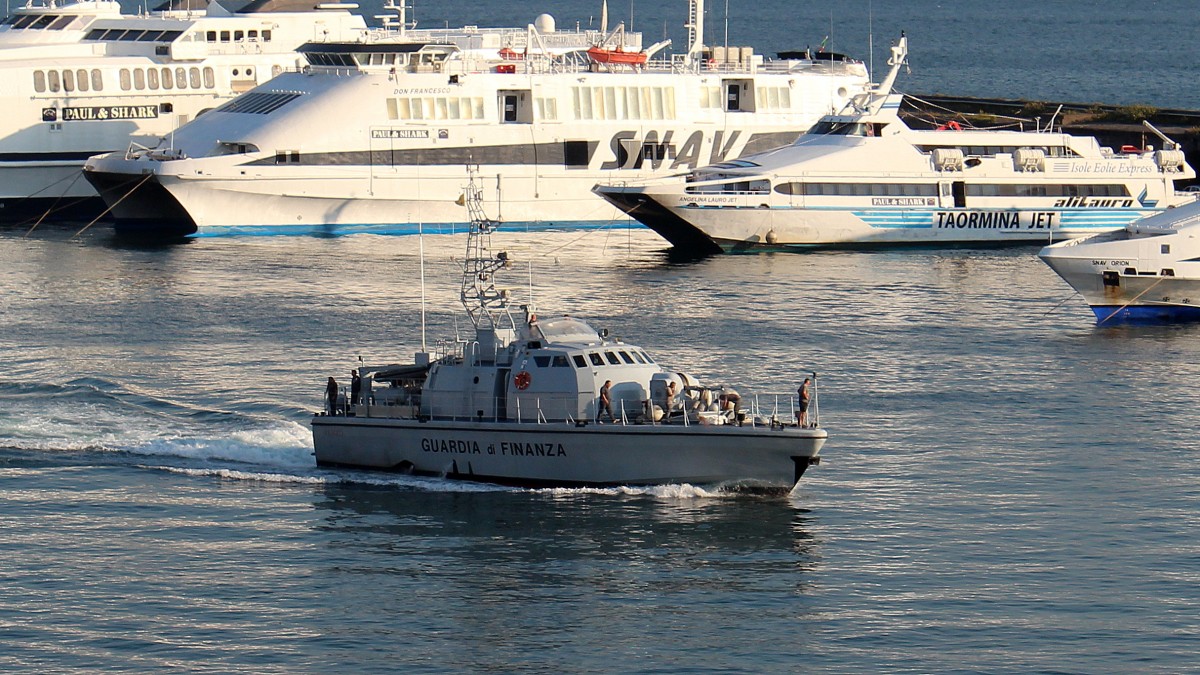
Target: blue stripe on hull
391	228
1111	314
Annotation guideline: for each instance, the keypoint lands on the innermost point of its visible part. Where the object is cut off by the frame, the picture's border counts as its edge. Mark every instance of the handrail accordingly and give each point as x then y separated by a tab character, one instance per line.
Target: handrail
568	409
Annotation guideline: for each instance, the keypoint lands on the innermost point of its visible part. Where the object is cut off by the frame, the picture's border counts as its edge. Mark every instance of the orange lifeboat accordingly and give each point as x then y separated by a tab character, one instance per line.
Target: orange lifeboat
617	56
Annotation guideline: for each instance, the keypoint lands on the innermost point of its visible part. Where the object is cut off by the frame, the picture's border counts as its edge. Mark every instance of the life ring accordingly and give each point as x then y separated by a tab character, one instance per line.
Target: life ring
522	380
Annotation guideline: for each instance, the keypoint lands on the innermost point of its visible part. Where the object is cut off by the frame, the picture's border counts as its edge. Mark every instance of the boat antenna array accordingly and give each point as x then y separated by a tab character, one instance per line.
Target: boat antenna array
487	305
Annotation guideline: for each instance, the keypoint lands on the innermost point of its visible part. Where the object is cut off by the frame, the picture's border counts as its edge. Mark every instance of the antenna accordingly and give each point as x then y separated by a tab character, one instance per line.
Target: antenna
421	244
726	24
871	39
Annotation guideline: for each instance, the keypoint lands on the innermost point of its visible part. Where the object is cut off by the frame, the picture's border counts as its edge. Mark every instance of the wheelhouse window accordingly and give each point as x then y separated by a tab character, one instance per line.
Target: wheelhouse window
580	362
596	360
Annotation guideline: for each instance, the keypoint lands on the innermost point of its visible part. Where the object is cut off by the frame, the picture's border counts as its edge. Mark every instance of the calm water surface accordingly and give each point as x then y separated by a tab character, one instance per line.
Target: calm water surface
1006	486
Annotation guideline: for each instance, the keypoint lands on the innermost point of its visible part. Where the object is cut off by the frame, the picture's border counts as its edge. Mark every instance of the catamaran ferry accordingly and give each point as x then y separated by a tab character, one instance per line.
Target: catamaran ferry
80	78
372	136
864	178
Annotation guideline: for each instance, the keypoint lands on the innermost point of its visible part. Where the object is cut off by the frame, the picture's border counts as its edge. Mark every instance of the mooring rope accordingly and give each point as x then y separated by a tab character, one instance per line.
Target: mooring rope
1135	299
105	212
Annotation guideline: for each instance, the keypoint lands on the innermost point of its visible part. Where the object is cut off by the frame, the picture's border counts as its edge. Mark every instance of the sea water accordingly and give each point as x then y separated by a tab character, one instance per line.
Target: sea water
1006	486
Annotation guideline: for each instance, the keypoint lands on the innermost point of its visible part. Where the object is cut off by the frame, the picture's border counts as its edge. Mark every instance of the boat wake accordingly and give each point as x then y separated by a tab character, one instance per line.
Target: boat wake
101	421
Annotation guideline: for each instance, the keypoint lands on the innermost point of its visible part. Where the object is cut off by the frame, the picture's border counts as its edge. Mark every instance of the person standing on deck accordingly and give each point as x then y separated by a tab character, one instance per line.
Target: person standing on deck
605	403
331	395
802	408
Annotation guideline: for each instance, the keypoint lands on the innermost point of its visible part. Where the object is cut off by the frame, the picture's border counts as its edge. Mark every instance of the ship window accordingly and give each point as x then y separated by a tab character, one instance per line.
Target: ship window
238	36
579	361
261	103
139	79
152	78
61	22
167	81
97	81
1167	272
39	81
52	76
81	79
576	153
612	358
542	361
638	357
210	36
647	357
224	36
209	79
1165	249
253	34
43	21
194	77
547	108
1130	272
596	360
180	78
560	361
266	34
625	357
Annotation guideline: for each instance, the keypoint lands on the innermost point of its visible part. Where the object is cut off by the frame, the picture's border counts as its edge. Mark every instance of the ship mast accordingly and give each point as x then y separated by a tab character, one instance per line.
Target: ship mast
485	304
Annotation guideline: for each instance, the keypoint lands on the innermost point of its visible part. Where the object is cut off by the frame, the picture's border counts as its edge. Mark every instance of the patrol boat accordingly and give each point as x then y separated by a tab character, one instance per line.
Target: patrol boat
865	178
1147	272
80	78
519	403
371	136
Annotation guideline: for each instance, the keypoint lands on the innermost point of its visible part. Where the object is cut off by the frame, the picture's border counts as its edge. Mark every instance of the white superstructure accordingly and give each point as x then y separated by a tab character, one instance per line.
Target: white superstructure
864	178
551	401
1149	271
374	136
80	78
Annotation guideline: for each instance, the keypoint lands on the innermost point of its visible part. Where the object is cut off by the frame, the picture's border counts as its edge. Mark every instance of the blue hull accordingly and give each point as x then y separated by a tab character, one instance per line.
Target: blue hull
160	230
1107	315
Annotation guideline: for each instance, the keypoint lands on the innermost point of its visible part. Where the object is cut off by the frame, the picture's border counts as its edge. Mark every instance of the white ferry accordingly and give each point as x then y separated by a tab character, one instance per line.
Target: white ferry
1147	272
551	401
80	78
373	136
864	178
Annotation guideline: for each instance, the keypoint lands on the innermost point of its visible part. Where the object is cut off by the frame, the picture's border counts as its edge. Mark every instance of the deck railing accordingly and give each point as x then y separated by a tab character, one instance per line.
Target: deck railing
770	409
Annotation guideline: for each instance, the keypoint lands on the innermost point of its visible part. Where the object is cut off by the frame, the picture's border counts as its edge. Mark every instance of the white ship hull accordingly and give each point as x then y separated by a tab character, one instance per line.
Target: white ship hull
1148	272
566	455
96	81
541	132
864	178
740	222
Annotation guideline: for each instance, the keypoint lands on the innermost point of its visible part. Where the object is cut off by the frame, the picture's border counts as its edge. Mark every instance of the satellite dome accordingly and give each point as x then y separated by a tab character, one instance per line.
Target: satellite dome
544	23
